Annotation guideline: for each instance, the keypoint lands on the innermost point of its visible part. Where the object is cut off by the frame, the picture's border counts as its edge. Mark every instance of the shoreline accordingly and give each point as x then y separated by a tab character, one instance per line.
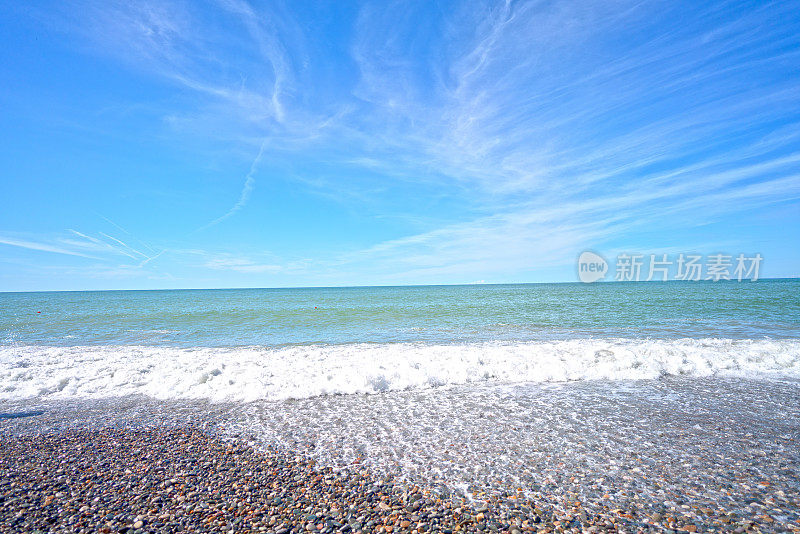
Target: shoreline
191	479
188	479
680	455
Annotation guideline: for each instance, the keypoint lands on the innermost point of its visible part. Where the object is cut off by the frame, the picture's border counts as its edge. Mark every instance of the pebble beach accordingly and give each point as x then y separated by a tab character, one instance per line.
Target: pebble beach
498	409
137	465
186	480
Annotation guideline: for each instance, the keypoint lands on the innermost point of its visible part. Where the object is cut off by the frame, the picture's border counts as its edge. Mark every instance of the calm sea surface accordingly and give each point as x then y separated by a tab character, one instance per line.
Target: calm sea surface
431	314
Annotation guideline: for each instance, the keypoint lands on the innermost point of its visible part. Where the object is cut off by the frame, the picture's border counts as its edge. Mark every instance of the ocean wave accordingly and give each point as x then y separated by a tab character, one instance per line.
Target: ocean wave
251	373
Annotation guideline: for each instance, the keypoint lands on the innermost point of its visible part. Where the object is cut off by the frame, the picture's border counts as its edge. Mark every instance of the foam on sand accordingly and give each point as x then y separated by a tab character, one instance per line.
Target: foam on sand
251	373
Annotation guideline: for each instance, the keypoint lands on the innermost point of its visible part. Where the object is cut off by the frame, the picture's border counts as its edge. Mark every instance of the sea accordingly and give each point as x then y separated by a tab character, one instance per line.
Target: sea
656	397
273	344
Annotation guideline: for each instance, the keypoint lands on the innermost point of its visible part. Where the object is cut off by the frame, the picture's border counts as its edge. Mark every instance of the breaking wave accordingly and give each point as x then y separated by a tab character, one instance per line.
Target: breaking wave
251	373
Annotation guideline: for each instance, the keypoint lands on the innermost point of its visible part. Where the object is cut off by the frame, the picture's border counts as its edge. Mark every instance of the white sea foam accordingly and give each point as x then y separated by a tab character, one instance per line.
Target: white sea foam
250	373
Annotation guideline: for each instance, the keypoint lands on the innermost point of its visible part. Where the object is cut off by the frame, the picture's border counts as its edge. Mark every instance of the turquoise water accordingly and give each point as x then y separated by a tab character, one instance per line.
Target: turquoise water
431	314
252	344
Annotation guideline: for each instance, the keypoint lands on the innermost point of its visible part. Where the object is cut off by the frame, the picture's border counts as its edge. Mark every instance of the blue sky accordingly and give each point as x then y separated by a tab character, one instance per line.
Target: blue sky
233	144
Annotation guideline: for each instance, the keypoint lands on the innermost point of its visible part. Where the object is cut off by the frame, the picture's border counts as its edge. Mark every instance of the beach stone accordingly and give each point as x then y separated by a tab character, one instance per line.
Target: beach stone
289	487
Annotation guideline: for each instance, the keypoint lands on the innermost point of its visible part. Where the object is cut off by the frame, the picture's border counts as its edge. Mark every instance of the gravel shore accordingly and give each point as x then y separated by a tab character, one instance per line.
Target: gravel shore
665	456
187	480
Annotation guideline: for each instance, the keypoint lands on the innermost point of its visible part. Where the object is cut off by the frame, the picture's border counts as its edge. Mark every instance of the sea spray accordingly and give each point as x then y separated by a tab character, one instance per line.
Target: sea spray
302	371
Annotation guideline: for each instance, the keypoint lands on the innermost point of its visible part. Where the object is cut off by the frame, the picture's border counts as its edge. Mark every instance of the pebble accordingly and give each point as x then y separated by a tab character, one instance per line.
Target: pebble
186	479
628	465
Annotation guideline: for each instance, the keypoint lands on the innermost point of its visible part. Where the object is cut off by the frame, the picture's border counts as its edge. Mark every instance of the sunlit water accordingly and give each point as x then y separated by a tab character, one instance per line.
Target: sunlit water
651	395
244	345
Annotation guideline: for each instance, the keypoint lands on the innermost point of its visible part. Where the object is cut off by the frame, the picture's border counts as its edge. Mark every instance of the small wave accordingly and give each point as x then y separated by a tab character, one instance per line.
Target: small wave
251	373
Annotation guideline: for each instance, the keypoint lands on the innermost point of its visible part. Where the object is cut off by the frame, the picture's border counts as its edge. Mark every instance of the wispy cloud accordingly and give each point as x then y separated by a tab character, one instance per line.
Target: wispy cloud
226	262
110	244
151	258
571	140
247	189
41	247
551	127
103	248
125	246
126	232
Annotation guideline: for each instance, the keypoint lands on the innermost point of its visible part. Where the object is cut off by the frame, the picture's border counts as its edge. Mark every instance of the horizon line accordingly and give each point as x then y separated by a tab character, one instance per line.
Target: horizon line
401	285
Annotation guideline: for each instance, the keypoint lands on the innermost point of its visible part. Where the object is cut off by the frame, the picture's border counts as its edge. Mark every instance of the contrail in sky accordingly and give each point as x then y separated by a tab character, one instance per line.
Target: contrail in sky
249	184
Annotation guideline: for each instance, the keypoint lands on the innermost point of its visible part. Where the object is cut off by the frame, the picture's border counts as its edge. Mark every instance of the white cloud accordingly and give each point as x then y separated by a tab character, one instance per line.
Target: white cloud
561	125
41	247
247	189
227	262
